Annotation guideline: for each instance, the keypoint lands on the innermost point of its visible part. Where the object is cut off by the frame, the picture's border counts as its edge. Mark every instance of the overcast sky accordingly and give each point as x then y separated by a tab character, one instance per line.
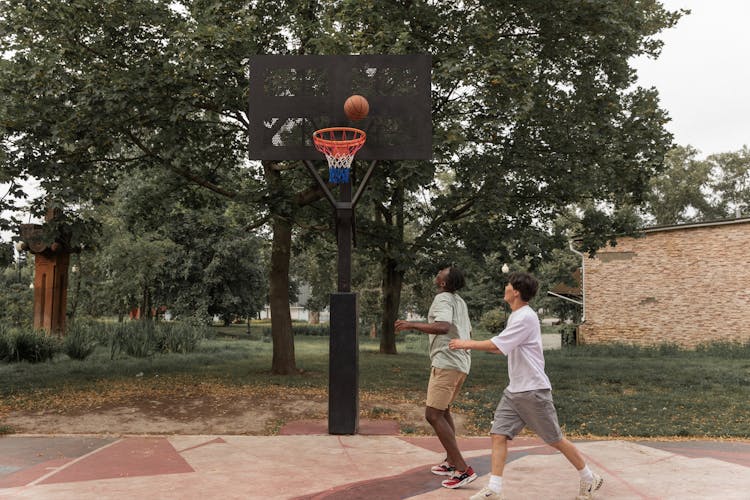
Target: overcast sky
703	74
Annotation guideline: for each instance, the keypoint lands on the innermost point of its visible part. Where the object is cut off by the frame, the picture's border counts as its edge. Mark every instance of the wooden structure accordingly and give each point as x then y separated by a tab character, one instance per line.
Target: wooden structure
51	249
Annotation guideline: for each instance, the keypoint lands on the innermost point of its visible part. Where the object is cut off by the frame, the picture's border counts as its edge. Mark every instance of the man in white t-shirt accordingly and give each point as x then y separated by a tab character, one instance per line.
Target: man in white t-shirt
448	318
528	398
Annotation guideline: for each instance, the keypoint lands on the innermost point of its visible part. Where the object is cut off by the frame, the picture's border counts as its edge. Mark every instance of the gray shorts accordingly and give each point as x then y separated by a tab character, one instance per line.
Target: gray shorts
534	409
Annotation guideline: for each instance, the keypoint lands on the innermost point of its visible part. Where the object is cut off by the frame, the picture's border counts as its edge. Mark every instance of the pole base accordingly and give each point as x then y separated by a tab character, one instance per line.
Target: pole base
343	368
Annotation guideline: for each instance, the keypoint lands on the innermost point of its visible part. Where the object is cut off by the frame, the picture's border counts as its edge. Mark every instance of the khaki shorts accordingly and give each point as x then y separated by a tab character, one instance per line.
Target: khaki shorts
444	387
516	410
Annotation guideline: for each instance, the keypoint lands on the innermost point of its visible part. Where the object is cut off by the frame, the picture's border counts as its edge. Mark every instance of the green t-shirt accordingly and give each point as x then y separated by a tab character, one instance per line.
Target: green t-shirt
450	308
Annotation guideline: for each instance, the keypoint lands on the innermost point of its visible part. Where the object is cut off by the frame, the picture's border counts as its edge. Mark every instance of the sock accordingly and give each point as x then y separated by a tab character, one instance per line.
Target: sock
586	474
496	483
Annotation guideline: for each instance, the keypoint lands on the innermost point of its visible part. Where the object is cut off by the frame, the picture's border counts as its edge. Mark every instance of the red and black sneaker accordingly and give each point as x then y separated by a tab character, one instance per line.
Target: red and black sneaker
460	478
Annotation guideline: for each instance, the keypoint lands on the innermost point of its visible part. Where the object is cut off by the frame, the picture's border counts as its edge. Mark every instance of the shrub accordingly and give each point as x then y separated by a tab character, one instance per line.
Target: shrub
135	339
302	329
31	346
141	339
736	350
668	349
5	344
311	330
730	350
568	335
612	350
80	341
494	320
182	337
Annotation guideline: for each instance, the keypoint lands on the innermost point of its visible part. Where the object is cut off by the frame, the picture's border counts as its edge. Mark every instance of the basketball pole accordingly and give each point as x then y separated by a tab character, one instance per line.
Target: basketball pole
343	363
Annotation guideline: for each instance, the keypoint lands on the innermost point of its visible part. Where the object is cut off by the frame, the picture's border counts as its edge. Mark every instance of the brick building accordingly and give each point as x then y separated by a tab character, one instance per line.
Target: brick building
682	284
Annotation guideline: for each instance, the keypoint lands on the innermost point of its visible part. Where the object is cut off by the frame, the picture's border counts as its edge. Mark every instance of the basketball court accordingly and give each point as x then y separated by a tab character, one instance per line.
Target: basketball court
376	464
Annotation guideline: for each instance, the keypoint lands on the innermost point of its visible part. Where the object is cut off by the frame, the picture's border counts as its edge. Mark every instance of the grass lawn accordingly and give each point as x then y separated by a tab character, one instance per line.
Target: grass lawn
614	391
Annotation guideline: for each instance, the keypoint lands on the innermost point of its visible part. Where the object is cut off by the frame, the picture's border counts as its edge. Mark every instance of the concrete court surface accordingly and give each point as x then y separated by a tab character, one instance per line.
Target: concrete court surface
304	463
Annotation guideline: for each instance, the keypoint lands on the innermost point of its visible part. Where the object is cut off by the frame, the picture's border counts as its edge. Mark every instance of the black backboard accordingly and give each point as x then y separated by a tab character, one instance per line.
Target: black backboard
292	96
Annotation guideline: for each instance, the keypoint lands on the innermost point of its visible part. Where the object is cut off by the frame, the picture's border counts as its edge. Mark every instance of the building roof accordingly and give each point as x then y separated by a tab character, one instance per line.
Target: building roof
691	225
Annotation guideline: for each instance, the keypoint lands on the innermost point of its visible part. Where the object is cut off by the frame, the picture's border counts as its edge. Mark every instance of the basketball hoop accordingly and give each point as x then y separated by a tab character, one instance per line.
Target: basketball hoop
339	144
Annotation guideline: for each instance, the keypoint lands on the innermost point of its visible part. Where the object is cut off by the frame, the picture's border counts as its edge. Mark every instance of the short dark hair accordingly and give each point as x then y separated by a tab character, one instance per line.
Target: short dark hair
525	283
454	280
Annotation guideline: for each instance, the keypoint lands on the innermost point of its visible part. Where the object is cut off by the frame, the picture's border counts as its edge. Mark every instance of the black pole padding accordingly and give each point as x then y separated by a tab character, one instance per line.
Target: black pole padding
343	365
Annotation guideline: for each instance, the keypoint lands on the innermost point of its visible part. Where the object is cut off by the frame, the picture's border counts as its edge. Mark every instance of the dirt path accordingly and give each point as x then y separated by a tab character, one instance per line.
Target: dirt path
258	414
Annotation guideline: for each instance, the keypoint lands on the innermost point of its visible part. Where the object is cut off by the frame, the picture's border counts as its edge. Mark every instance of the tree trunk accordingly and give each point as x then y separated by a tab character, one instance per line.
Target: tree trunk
146	304
392	281
314	317
393	278
283	362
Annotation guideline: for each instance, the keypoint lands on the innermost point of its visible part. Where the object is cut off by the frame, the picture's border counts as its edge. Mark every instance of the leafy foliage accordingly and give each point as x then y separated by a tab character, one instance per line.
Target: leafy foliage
16	297
164	244
181	337
494	320
32	346
697	190
305	330
141	339
533	111
730	182
80	340
678	195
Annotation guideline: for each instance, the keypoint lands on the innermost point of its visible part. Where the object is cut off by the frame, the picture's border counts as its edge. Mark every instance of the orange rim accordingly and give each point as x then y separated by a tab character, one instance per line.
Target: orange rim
336	140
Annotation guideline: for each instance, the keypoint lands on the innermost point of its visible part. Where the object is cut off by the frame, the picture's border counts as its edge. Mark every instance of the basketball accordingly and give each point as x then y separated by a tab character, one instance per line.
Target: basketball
356	107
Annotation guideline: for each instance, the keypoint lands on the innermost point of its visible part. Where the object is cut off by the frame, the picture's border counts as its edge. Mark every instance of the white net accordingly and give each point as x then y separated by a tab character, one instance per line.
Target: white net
339	161
339	145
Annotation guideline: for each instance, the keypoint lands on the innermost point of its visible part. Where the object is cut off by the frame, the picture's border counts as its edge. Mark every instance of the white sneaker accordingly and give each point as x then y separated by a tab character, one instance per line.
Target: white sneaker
587	488
487	494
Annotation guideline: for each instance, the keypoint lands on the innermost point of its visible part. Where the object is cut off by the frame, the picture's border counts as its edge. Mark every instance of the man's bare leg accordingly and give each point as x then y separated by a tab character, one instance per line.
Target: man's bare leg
499	453
447	436
571	453
449	417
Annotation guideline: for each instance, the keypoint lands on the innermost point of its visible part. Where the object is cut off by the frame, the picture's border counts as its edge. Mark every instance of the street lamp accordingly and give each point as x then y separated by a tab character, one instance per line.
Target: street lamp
20	247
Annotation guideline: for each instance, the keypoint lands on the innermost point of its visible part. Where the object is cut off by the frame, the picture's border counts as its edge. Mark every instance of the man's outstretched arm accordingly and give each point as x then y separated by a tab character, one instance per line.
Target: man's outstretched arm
436	328
477	345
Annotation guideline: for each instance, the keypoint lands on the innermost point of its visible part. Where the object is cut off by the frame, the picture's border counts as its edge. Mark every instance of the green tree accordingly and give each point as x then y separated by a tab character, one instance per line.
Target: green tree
730	182
314	264
182	245
91	89
681	193
16	296
691	189
532	108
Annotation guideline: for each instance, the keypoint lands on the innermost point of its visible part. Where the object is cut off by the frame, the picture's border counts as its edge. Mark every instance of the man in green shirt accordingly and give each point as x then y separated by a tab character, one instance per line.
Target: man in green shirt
448	318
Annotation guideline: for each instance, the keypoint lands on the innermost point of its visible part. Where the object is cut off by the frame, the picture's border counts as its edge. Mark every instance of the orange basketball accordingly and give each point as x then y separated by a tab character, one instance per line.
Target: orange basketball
356	107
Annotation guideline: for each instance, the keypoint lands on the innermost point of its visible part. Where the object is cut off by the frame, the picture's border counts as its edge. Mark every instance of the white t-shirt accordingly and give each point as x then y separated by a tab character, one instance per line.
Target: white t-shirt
450	308
521	342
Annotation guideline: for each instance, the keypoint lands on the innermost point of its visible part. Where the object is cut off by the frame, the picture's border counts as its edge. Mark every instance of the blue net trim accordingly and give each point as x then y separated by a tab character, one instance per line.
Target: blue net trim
338	175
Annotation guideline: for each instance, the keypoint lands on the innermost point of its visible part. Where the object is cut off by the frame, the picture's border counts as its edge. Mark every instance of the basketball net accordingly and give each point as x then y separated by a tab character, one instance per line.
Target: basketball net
339	145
